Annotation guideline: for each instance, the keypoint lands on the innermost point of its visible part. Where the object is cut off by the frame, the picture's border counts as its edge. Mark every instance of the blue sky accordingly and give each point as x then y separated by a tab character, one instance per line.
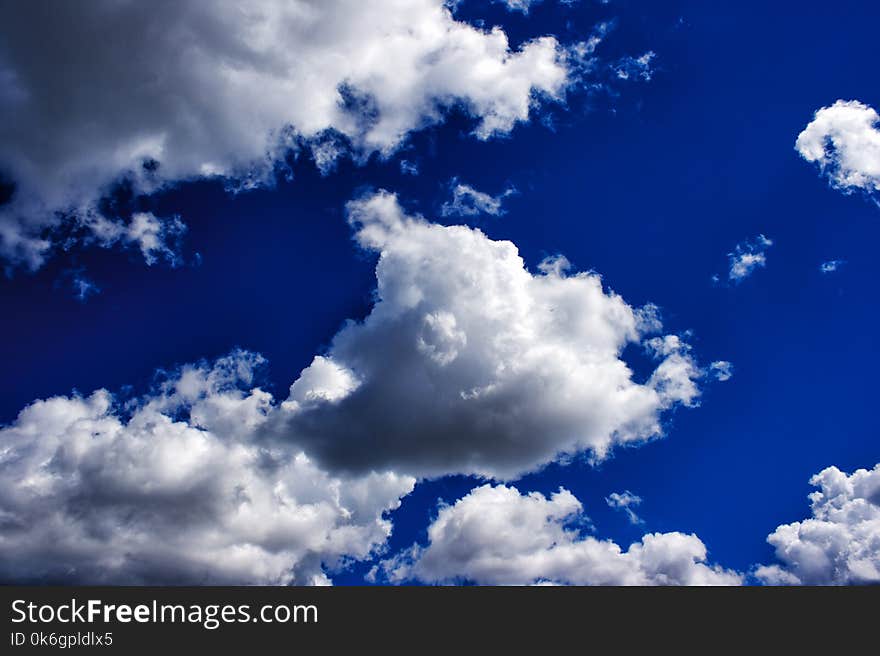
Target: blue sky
651	183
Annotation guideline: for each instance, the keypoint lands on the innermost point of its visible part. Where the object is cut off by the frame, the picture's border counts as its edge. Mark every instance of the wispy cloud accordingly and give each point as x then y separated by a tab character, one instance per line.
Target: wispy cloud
747	257
625	501
629	68
83	287
722	370
467	201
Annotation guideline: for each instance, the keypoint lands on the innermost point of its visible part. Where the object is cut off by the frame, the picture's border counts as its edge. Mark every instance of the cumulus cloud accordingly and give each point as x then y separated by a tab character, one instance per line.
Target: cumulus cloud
747	257
468	362
625	501
498	536
840	543
173	91
467	201
844	141
176	488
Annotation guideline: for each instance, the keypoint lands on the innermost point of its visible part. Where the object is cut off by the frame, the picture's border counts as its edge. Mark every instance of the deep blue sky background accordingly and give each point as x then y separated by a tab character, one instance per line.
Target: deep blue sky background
651	186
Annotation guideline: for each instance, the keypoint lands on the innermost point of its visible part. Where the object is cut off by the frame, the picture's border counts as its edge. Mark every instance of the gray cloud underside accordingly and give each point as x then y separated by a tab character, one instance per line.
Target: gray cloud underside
90	92
470	363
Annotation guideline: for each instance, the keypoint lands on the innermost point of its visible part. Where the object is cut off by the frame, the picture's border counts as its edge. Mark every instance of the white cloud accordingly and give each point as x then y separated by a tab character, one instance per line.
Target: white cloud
722	370
467	363
844	140
154	237
470	363
743	264
467	201
625	501
408	168
175	91
840	543
497	536
177	489
521	6
747	257
636	67
831	266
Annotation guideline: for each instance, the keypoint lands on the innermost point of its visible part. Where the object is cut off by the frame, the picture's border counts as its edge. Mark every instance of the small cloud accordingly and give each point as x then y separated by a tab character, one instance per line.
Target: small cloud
521	6
83	288
408	168
467	201
581	56
831	266
75	281
747	257
721	369
625	501
633	68
157	238
843	140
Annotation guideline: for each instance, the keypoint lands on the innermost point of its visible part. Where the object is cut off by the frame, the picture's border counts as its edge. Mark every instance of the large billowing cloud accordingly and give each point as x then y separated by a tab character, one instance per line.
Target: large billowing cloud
468	362
844	140
840	543
166	91
177	490
497	536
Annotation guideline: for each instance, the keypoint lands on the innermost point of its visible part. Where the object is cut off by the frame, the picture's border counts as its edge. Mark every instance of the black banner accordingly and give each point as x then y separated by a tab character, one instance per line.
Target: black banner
181	620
